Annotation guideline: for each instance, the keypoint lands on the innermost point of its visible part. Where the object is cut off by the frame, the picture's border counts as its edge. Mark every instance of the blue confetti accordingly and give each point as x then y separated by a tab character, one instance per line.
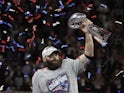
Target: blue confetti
27	13
51	38
44	12
72	4
80	38
57	42
37	8
56	15
61	4
8	6
89	75
10	47
64	46
21	33
8	24
18	45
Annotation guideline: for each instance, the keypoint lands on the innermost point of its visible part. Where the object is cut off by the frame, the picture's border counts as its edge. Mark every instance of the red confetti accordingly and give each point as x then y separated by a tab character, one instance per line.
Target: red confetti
16	2
94	16
21	49
33	37
3	48
34	1
10	17
38	60
3	42
90	5
68	2
48	24
37	17
82	47
20	9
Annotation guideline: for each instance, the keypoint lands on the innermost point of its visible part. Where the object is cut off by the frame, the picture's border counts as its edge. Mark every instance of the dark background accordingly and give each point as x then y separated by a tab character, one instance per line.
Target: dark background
26	30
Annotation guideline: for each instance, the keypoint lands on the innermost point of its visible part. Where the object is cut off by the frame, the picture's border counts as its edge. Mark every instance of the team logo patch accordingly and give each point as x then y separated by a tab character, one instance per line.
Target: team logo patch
60	84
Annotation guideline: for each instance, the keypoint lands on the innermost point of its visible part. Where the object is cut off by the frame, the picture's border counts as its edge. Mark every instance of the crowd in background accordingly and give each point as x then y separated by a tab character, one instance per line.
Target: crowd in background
27	26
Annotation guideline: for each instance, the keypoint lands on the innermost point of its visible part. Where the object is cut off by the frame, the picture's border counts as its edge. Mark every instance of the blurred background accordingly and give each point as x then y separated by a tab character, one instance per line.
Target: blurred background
27	26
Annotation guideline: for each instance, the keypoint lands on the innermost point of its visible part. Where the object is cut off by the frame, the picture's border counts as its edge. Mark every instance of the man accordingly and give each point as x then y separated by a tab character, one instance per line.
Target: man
60	75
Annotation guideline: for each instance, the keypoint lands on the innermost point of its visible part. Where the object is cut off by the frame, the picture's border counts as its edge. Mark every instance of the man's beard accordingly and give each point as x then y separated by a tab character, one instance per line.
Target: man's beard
53	66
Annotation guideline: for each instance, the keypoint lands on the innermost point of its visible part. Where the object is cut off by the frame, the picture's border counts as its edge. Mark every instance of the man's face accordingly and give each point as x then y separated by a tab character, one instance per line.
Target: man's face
53	61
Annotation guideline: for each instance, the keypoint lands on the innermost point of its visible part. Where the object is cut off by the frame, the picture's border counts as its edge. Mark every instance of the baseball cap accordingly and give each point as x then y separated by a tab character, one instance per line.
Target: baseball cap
48	51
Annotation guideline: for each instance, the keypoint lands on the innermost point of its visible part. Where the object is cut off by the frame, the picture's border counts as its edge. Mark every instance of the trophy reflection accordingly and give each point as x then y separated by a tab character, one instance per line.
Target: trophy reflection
77	20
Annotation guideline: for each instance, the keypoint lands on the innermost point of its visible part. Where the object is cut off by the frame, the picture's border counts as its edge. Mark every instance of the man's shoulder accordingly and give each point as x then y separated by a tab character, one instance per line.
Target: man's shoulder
67	59
40	72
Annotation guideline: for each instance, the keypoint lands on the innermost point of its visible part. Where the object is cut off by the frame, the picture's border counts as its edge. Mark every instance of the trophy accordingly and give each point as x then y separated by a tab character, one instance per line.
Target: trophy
99	34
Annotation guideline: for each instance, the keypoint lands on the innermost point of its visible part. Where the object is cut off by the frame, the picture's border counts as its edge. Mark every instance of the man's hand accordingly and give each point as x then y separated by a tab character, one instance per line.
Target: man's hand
84	26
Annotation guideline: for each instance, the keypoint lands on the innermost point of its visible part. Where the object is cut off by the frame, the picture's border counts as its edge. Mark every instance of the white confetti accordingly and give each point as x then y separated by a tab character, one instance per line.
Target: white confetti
1	87
11	10
119	73
118	22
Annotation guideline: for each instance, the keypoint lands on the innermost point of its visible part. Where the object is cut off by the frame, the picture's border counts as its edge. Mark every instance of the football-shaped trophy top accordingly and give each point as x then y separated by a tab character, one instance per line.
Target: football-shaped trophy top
76	20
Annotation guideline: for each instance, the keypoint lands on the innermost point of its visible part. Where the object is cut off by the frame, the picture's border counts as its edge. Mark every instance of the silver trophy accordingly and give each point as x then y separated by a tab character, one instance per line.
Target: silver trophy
99	34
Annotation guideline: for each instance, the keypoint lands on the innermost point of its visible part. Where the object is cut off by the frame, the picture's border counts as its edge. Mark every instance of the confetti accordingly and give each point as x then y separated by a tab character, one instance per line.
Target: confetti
89	75
42	42
88	8
68	1
61	4
12	10
34	1
27	13
1	87
80	38
44	12
51	38
8	6
7	24
38	11
57	42
17	44
37	8
72	4
119	73
56	23
118	22
103	5
59	14
104	44
1	64
10	47
64	46
21	33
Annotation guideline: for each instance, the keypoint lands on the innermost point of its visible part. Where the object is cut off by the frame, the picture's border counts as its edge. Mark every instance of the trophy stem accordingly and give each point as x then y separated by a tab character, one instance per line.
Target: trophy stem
101	35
